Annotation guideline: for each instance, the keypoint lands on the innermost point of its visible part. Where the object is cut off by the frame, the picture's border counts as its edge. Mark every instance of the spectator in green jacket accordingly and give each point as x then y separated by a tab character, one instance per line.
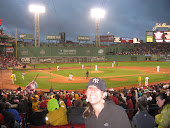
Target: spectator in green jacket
163	119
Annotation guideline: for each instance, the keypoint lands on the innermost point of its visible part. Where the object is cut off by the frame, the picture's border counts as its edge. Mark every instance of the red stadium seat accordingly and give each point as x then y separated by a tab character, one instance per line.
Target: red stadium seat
61	126
78	125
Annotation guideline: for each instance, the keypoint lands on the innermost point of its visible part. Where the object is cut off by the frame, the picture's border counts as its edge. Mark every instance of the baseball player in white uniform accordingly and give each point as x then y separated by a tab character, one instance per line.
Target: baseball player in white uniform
96	68
14	77
23	74
146	81
70	76
57	68
158	67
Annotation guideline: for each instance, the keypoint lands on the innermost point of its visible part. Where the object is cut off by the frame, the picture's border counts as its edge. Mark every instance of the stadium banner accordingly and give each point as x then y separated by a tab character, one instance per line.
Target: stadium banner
64	59
25	60
26	36
45	60
107	38
159	36
6	44
9	49
2	44
53	37
117	39
149	33
136	40
83	38
149	38
127	40
167	36
100	52
67	51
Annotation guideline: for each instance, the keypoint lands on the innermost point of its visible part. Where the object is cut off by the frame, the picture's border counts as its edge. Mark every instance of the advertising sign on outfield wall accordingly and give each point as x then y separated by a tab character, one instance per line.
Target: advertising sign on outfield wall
26	36
83	38
159	36
9	49
167	36
127	40
117	39
25	60
107	38
53	37
149	38
136	40
67	51
149	33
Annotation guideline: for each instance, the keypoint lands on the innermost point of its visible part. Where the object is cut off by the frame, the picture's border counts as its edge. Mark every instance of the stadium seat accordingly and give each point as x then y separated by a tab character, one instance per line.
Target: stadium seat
78	125
42	126
61	126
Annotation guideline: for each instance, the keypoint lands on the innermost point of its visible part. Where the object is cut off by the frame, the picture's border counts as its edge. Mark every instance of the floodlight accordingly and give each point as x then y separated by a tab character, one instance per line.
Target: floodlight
97	13
37	8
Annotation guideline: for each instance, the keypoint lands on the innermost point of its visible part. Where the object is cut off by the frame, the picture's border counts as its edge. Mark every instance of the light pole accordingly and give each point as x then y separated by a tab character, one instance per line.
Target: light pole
37	9
97	14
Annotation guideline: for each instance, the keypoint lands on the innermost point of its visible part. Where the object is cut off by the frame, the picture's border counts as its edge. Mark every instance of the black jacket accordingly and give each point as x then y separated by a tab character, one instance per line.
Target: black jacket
75	115
8	118
111	116
38	118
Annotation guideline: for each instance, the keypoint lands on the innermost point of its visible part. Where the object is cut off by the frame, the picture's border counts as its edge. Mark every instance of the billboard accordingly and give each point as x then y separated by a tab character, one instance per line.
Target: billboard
136	40
167	36
149	33
159	36
107	38
26	36
53	37
149	38
83	38
127	40
117	39
9	49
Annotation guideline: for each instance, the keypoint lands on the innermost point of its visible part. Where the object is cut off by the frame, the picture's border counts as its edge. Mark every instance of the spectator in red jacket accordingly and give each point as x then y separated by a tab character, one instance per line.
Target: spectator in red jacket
130	106
114	97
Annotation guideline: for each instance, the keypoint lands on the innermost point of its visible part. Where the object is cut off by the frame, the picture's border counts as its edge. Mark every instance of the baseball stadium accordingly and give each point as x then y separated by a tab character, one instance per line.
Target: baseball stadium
119	65
44	81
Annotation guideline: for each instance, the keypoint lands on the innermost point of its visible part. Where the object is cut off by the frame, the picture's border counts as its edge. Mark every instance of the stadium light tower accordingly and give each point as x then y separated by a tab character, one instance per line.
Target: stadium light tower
37	9
98	14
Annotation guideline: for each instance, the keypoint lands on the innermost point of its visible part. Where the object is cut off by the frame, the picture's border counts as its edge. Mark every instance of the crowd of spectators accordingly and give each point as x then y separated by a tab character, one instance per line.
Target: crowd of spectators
67	107
8	62
2	33
157	49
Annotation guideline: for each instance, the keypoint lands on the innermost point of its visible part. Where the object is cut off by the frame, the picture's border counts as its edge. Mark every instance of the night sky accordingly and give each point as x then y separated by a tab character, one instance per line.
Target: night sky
124	18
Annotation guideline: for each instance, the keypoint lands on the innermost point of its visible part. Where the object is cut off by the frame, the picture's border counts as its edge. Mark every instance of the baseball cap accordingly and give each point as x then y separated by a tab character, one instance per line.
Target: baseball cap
36	96
146	91
98	82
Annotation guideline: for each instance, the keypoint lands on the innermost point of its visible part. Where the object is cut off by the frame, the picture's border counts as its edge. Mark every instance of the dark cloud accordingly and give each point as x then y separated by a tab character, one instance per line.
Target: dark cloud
124	18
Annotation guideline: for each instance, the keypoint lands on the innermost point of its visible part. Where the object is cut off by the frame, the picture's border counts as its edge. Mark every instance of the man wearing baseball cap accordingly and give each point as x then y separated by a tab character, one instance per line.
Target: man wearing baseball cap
100	112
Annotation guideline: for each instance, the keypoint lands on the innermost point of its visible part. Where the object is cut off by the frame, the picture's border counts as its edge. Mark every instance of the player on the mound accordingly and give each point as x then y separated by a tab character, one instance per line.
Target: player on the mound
71	77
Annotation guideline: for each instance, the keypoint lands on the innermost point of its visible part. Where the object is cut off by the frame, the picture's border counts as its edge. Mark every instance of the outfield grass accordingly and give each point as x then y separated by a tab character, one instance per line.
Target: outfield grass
43	83
133	64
